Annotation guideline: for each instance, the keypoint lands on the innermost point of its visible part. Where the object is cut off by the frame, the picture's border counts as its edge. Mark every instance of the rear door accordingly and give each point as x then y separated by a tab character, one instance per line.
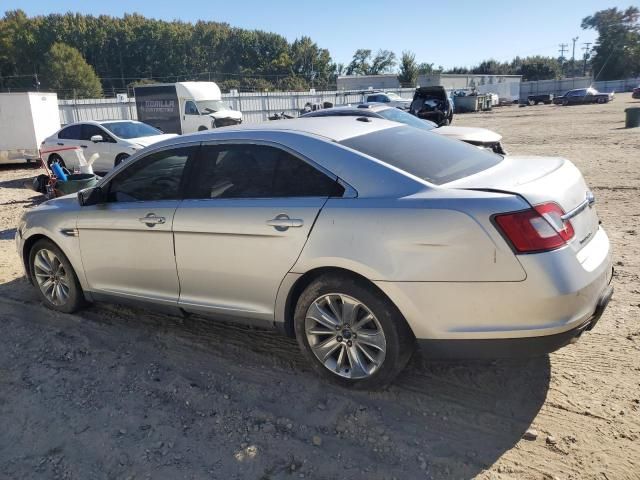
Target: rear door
250	211
106	149
68	141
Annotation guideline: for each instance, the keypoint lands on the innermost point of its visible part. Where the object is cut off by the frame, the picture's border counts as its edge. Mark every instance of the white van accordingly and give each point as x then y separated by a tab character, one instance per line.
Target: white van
184	107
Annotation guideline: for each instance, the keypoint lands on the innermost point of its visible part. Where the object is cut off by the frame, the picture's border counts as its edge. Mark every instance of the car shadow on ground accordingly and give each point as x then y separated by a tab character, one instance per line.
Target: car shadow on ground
461	416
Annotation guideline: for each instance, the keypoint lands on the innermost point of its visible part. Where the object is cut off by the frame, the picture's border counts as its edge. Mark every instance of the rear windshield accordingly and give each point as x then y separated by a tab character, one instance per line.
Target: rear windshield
426	155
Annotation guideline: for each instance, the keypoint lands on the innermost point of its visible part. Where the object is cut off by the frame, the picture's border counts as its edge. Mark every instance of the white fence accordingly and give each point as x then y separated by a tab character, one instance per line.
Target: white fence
559	87
255	107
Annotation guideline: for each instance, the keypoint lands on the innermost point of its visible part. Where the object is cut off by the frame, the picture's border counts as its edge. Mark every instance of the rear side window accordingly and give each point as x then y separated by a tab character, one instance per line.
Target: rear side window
72	132
257	171
426	155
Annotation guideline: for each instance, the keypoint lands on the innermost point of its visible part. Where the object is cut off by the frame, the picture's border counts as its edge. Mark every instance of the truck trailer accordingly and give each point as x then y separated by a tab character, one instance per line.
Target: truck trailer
26	119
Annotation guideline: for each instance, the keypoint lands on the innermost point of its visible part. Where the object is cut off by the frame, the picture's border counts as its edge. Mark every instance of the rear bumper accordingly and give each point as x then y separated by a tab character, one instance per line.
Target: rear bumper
512	347
562	294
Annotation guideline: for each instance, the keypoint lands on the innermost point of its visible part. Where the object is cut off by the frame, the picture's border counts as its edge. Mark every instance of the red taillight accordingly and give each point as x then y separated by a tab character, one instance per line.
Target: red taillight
537	229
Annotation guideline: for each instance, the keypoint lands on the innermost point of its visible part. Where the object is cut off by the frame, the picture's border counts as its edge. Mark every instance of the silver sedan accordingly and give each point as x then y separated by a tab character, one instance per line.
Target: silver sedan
360	237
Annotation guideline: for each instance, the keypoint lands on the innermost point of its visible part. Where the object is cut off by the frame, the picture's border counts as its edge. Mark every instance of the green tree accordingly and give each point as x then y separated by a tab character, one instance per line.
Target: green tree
408	74
383	62
425	68
617	49
363	63
360	62
537	68
69	74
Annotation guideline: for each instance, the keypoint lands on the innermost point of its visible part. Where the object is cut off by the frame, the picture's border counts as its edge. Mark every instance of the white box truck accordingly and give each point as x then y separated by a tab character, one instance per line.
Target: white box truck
184	107
26	119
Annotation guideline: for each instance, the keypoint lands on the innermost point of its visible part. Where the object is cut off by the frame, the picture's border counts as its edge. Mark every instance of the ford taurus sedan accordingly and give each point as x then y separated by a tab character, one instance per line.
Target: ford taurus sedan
360	237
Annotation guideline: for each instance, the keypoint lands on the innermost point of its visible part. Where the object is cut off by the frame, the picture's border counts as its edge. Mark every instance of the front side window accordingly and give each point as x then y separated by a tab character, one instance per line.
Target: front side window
89	130
256	171
72	132
155	177
190	108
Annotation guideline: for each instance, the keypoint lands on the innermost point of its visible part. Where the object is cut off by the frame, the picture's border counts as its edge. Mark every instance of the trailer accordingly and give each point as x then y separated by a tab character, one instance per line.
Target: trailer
26	119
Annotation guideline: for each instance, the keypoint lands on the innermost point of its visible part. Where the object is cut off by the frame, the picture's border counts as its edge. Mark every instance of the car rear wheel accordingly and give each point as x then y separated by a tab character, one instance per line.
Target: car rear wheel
55	278
351	334
120	158
55	158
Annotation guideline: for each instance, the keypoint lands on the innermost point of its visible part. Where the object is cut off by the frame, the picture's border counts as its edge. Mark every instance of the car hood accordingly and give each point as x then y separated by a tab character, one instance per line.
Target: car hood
469	134
234	114
146	141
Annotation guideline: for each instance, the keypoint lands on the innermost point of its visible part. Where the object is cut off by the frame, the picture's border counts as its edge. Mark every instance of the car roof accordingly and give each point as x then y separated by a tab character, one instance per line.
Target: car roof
335	129
99	122
366	110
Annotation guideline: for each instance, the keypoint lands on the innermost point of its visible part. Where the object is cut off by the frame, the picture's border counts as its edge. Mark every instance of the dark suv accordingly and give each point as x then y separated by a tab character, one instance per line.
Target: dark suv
432	103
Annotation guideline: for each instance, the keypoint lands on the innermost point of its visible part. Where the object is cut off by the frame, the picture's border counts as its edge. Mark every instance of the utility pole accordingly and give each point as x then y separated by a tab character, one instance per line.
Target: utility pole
563	48
585	57
573	57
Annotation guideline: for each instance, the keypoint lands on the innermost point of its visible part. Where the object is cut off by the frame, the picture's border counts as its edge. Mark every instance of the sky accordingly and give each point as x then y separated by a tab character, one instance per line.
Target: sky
460	33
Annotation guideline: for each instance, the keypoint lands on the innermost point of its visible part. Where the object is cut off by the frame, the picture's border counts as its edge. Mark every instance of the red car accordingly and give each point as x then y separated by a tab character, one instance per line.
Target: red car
636	93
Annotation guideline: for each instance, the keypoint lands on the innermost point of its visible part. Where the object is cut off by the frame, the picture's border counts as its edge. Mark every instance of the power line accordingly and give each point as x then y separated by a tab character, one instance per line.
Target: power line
563	48
585	47
573	57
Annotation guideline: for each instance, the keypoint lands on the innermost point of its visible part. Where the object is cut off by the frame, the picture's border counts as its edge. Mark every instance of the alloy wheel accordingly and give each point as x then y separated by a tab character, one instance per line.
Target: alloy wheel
345	336
51	277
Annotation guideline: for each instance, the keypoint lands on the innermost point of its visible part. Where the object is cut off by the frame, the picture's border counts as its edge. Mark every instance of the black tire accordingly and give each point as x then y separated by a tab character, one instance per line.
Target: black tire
55	158
531	102
565	102
602	100
75	299
202	129
120	158
400	342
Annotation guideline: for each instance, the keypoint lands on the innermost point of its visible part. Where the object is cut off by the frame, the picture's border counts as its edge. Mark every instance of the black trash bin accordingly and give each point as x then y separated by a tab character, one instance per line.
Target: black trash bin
633	117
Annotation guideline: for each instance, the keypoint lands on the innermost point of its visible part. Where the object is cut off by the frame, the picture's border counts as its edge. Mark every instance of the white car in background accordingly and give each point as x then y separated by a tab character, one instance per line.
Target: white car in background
113	140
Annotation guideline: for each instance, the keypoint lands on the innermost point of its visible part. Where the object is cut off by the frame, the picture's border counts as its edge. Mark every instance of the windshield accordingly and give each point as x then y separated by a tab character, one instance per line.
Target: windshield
211	106
431	157
396	115
131	129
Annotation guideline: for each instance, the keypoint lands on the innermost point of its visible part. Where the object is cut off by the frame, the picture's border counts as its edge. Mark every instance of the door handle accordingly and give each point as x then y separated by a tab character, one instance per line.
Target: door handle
61	144
282	222
83	146
151	220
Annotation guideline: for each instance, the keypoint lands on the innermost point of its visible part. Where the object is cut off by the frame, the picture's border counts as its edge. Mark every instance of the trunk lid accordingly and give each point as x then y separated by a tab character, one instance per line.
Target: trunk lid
540	180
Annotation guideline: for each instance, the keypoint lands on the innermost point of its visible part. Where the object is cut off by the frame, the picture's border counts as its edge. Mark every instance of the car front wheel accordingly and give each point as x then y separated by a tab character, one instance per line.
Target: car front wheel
55	278
352	334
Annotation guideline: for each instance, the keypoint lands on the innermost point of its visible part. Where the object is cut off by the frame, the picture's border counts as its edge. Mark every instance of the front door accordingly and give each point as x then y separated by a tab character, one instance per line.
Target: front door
126	243
250	211
192	121
106	149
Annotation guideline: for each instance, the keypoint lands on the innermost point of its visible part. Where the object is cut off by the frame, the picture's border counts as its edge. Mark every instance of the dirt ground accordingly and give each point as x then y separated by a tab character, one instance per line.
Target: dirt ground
115	392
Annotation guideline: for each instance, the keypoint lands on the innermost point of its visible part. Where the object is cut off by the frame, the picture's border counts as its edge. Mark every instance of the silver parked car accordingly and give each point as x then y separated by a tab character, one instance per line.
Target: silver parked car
361	237
480	137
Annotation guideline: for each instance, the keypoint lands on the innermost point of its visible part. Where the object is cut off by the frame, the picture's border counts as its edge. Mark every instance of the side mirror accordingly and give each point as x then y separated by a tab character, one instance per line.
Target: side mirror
91	196
97	138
